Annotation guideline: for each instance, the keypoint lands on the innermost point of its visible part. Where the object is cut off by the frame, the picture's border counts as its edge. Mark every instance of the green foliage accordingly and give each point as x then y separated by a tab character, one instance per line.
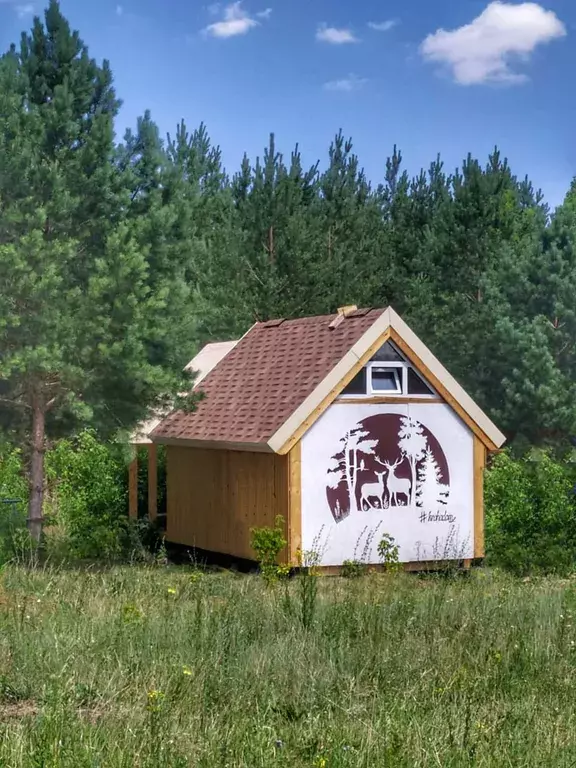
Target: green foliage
531	513
14	539
388	553
353	569
308	576
267	544
12	481
89	498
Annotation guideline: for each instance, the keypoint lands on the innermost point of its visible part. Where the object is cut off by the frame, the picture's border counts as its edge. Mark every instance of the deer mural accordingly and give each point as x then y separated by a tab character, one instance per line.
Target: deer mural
396	485
373	491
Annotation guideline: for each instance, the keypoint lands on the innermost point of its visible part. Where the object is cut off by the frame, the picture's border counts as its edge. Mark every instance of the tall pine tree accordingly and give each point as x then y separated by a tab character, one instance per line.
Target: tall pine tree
86	308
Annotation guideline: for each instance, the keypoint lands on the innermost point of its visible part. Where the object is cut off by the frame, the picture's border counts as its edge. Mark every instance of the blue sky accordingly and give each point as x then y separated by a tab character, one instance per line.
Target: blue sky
431	76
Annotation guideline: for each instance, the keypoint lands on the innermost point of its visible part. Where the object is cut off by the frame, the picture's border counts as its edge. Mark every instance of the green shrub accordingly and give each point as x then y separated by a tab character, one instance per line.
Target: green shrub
267	544
13	483
89	499
353	569
388	553
531	513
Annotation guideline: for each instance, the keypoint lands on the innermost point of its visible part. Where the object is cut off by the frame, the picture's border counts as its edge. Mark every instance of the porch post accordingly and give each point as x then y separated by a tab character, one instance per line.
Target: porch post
152	482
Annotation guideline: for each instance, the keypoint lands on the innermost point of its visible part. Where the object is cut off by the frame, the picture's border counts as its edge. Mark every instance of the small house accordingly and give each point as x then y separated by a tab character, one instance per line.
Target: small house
346	426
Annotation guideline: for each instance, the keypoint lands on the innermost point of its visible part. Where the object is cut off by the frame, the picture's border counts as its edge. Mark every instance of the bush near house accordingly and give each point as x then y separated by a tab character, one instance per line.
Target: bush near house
86	502
531	513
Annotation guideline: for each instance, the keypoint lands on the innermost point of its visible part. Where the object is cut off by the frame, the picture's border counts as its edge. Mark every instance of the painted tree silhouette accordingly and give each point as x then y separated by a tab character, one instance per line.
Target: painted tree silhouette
431	493
413	444
359	443
345	464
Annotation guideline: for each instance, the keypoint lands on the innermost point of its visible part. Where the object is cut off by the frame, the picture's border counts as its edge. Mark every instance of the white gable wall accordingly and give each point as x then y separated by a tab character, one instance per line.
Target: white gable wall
426	504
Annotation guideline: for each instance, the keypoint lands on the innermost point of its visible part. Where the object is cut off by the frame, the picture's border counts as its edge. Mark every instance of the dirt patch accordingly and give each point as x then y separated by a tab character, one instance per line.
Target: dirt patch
18	710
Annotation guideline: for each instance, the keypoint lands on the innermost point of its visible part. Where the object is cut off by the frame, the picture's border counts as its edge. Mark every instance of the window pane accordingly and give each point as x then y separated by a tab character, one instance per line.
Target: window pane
358	384
386	380
416	385
387	354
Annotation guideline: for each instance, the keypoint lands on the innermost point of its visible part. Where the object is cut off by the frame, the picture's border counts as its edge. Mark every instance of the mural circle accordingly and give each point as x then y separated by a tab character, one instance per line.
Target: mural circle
387	461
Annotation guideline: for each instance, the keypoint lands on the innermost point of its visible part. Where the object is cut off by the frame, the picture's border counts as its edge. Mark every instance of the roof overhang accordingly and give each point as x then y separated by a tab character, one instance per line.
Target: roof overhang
389	325
213	444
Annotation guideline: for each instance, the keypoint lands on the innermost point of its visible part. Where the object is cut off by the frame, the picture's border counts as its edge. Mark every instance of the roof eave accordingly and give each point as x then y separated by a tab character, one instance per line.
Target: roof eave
211	444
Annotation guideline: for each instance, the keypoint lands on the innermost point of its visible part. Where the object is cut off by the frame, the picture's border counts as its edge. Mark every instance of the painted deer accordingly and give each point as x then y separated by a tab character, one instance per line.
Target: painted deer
396	485
373	491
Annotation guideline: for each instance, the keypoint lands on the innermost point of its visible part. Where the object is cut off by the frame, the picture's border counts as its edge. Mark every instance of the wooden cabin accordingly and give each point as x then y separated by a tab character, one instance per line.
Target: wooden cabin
345	425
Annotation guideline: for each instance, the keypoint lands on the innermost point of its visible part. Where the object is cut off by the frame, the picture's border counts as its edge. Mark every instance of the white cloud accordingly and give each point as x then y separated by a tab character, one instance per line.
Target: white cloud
21	9
346	84
26	9
383	26
119	10
335	36
481	51
236	21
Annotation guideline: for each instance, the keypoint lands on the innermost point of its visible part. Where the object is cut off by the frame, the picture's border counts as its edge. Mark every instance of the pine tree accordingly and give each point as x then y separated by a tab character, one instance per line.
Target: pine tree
85	310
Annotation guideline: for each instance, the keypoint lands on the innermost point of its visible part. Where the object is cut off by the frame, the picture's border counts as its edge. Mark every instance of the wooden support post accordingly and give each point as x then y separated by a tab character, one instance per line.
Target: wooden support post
152	482
479	464
294	503
133	488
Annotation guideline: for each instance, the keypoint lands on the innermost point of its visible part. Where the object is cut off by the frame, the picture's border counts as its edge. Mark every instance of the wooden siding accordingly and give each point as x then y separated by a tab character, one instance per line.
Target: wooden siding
216	496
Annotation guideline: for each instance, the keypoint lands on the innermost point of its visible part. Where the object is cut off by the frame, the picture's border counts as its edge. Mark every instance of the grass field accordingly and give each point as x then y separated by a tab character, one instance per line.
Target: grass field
161	667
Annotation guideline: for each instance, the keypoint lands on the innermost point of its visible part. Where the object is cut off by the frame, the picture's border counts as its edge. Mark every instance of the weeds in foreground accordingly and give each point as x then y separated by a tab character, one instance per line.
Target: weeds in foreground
149	666
267	544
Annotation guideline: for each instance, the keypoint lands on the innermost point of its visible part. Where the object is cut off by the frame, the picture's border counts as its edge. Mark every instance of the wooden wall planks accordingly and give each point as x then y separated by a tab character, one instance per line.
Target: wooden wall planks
216	496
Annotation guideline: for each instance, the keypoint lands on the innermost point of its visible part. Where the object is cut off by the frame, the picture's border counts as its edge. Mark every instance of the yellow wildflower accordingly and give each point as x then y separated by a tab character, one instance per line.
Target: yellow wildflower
187	671
154	701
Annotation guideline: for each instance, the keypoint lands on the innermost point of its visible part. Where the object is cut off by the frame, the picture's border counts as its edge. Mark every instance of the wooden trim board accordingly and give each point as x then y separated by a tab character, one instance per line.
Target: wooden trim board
215	445
294	503
479	464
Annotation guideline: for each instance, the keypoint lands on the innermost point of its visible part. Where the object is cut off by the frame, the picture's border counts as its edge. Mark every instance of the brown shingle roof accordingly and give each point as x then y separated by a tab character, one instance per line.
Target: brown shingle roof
267	375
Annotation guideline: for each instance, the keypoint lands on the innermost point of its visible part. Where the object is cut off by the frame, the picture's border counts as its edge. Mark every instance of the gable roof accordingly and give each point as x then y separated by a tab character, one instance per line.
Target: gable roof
265	378
207	359
281	376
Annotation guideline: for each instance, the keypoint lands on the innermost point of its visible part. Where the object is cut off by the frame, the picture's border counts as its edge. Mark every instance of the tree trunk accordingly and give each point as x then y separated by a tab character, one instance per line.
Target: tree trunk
37	470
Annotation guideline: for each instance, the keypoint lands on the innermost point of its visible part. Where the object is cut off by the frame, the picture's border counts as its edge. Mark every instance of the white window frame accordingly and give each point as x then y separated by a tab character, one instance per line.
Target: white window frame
401	380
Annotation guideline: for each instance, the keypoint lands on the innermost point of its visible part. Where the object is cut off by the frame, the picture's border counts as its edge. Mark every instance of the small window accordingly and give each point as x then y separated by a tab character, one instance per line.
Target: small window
358	384
416	385
386	380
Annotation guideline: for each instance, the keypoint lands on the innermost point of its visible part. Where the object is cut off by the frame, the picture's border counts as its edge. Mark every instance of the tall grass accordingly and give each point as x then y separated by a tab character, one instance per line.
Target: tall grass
160	667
